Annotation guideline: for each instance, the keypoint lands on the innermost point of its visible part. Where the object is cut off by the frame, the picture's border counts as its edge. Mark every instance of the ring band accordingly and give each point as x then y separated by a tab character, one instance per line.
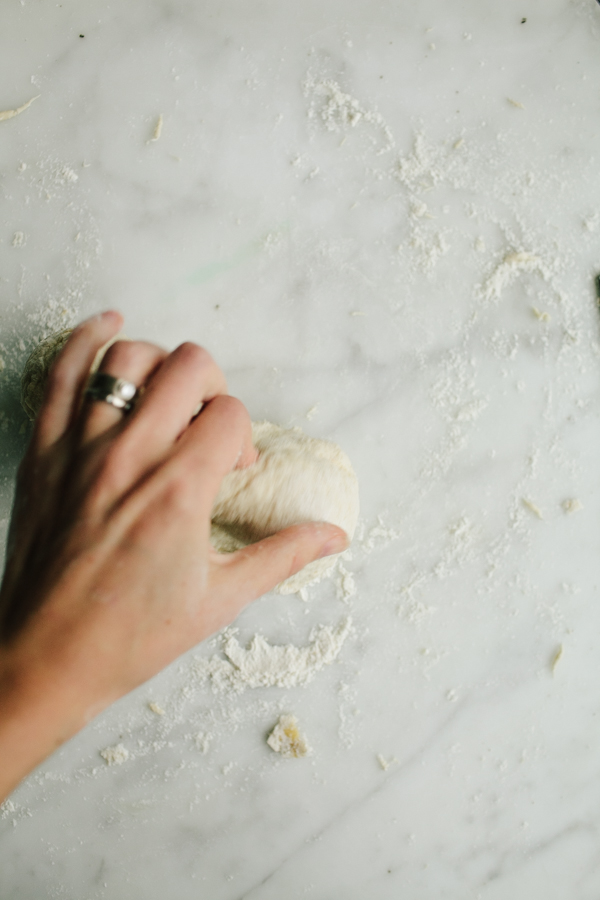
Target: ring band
116	391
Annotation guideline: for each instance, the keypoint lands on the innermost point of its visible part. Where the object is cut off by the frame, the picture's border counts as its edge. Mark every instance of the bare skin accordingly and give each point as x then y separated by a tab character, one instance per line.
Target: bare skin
110	574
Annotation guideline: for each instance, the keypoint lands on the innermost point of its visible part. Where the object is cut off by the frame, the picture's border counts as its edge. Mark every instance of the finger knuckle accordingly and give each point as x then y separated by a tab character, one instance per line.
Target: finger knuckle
230	408
122	354
195	355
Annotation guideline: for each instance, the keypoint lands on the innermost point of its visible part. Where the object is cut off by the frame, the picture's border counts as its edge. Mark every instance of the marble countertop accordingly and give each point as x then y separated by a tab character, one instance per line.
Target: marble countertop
383	219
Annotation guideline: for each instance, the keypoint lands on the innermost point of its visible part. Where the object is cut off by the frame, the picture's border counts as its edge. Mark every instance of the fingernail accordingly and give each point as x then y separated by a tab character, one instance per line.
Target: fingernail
334	545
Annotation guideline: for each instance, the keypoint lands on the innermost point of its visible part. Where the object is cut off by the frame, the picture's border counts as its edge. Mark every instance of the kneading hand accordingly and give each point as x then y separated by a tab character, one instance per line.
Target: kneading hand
110	574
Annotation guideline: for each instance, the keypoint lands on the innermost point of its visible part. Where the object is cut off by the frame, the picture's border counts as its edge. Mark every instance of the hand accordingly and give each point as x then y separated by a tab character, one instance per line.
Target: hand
110	573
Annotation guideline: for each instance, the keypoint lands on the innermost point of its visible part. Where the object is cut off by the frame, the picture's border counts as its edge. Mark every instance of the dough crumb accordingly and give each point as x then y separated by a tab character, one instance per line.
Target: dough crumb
11	113
286	739
346	586
202	741
572	505
67	174
556	657
116	755
515	103
158	710
18	239
157	130
386	763
540	314
528	504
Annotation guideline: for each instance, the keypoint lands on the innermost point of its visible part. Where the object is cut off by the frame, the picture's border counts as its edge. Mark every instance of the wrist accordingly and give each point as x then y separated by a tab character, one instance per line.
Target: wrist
38	713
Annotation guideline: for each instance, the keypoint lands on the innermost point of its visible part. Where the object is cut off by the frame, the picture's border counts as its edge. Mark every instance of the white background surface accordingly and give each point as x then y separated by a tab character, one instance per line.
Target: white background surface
308	169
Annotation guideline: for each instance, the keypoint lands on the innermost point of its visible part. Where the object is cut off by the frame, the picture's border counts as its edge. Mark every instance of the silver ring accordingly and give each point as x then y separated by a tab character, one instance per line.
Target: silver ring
116	391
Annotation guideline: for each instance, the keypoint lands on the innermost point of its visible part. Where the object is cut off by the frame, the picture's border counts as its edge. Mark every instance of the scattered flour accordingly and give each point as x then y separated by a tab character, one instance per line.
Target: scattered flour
379	536
345	584
339	111
7	808
512	265
271	665
202	741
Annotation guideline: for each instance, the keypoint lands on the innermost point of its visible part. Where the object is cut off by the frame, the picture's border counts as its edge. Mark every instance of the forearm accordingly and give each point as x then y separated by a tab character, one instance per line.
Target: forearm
37	715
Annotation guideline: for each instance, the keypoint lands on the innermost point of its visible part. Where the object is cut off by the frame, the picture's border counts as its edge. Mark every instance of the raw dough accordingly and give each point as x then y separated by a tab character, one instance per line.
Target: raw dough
296	478
287	740
35	373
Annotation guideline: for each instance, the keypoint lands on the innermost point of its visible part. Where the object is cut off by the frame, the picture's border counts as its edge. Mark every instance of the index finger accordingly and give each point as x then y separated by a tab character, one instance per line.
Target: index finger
68	375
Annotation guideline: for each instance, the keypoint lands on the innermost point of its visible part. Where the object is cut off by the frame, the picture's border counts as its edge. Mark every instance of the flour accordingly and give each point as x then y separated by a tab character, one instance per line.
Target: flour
512	265
339	111
379	536
270	665
572	505
7	808
67	175
423	168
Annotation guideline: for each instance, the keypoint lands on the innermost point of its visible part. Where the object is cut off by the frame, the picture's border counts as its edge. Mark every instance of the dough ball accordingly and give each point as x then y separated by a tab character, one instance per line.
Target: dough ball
295	479
35	373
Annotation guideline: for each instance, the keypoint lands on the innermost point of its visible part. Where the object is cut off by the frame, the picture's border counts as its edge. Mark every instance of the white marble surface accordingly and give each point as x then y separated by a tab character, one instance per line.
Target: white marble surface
353	285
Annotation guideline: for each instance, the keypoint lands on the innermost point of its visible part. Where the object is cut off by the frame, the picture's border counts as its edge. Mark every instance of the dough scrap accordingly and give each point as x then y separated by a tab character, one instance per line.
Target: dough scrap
296	478
115	756
287	740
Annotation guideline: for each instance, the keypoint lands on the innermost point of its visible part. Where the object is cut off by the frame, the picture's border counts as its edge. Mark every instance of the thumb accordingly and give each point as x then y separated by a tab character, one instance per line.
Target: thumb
257	568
